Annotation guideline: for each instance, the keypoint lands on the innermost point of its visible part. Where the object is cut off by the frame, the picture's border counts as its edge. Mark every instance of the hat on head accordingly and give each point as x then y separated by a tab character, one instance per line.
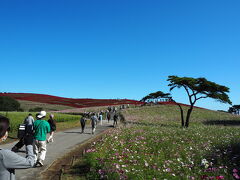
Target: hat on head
41	114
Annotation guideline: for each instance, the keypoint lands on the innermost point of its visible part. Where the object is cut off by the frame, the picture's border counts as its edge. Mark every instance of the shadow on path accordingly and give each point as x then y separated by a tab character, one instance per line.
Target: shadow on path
76	132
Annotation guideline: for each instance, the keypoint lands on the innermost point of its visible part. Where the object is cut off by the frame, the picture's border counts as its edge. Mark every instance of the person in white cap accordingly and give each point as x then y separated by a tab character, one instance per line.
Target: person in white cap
41	128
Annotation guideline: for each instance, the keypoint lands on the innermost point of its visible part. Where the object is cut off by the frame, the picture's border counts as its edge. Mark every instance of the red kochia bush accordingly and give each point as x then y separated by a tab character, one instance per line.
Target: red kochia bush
78	103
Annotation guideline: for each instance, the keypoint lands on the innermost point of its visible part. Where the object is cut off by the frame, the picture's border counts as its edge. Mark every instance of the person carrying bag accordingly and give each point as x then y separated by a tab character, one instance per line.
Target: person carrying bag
24	129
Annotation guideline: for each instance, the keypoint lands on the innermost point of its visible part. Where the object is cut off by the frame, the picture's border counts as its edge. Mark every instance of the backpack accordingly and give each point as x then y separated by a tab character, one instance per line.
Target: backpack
21	131
52	124
53	127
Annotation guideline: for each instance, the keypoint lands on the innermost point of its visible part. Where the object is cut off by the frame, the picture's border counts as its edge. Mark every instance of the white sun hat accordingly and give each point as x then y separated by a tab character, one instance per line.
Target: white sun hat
41	114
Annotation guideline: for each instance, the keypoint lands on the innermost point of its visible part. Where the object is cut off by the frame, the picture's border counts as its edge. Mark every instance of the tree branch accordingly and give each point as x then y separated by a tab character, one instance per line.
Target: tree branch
189	96
200	98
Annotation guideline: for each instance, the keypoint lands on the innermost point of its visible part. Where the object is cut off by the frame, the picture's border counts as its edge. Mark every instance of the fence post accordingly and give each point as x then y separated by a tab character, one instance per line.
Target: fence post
72	162
61	173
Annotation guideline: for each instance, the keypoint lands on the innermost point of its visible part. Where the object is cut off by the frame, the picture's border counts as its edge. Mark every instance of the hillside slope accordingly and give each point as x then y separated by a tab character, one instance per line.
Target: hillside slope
26	105
77	103
162	114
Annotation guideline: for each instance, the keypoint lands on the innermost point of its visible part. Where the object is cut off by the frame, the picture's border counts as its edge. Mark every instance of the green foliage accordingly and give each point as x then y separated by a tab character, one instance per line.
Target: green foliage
9	104
36	109
200	86
156	95
235	109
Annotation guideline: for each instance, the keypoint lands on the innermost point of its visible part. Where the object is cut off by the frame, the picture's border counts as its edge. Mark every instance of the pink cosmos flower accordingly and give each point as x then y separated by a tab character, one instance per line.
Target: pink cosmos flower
219	177
204	177
90	150
236	176
235	170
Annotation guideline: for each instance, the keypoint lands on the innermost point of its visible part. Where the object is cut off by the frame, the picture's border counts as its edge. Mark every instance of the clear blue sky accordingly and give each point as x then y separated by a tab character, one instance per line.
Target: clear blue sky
118	48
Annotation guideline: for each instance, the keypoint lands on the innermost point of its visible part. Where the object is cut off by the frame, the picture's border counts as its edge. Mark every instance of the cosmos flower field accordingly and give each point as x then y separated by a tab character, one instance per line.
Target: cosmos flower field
163	150
143	152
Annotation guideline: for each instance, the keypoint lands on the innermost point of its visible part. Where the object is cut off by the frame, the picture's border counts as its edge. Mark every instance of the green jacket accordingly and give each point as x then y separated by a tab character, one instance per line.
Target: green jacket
41	128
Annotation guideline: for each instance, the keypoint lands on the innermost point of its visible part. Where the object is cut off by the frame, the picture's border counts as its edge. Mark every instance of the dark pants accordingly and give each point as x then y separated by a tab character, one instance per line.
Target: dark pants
20	144
114	122
83	126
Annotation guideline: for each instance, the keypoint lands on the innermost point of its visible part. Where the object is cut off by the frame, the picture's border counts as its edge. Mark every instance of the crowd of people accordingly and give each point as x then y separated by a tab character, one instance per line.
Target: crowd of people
35	139
111	114
97	118
38	129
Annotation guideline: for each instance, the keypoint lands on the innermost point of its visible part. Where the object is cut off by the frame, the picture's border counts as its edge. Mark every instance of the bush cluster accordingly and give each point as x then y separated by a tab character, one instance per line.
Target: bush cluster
9	104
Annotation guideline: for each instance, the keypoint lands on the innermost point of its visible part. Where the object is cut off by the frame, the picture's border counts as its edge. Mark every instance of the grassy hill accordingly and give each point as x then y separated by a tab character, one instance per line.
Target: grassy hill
26	105
154	146
165	114
77	103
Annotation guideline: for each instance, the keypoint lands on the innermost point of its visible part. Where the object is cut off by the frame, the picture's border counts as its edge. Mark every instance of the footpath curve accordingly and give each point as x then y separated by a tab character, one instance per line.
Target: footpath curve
64	142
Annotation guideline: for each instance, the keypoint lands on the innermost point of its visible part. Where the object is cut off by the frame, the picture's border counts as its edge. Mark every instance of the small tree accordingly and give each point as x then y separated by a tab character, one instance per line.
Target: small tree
156	96
9	104
235	109
196	89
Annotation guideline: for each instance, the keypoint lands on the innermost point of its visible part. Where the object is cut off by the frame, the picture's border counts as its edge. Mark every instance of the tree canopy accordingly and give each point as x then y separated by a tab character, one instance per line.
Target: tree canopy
199	88
156	95
235	109
9	104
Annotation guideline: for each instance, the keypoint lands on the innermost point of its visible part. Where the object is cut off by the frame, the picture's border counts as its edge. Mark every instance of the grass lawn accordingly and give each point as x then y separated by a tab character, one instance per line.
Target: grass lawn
154	146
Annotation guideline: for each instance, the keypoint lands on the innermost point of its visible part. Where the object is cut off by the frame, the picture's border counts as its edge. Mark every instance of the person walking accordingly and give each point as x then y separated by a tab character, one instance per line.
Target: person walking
100	117
41	128
115	120
53	127
9	161
28	121
83	123
108	115
93	122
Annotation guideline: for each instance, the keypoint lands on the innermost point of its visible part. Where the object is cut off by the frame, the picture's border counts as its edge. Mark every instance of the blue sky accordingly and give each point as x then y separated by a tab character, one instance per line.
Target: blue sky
118	48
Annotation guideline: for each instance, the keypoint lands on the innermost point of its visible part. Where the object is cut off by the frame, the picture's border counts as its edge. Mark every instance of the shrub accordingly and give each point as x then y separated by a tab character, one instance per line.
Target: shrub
36	109
9	104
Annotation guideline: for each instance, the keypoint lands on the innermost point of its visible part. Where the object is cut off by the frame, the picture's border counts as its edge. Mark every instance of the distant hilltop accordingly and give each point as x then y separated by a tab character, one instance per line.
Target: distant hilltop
77	103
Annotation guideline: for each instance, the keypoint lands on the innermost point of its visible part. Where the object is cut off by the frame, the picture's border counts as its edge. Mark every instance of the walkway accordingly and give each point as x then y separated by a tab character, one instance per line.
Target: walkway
64	142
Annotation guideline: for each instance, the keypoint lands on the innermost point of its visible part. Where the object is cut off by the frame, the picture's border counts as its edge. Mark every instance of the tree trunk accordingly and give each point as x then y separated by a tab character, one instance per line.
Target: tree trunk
182	118
188	116
181	110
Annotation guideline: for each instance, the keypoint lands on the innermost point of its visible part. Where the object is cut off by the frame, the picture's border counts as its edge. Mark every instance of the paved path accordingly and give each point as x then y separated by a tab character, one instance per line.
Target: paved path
64	142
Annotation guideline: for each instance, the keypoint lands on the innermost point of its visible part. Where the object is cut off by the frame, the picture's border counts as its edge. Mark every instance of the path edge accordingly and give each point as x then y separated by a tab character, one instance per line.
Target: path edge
53	170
